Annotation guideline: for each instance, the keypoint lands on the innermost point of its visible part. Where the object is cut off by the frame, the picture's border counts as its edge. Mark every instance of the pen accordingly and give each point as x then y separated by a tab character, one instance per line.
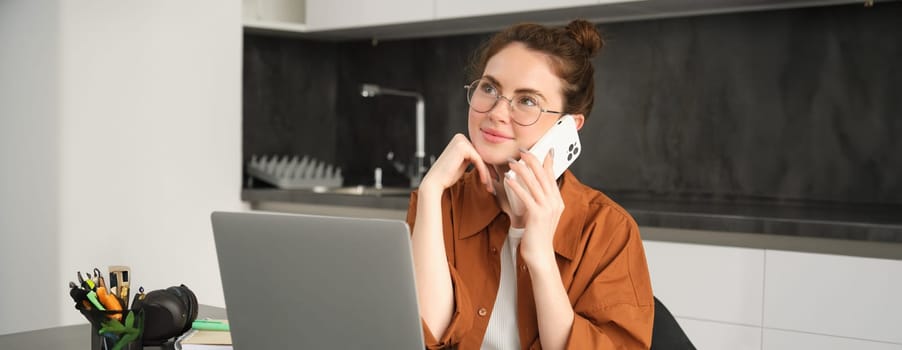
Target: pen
210	325
139	298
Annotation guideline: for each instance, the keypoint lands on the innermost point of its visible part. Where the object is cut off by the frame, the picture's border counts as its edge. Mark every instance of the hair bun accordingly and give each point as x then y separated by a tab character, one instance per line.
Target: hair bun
586	35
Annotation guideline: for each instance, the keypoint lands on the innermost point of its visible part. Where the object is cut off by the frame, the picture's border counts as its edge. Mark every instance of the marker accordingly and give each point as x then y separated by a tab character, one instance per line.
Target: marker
92	296
89	281
109	301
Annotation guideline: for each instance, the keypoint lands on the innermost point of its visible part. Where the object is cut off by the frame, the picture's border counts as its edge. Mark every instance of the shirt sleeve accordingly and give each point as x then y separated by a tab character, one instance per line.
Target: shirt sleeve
463	315
461	321
616	310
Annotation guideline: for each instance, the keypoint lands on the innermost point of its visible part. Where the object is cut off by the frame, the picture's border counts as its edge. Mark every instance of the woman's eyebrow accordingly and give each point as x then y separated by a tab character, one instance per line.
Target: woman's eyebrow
492	80
531	92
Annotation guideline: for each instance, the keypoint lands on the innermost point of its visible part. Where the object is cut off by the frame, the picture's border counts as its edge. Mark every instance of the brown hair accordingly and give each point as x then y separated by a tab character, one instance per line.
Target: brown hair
570	48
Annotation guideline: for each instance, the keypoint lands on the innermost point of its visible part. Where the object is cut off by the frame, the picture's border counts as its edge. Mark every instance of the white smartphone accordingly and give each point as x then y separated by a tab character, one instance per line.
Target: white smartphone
564	139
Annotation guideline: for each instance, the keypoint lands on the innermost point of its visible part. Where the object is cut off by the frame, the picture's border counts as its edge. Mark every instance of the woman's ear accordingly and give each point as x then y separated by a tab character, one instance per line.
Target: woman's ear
579	119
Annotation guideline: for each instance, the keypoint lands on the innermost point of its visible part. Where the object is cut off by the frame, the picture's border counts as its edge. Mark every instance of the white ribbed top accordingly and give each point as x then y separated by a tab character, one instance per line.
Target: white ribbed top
502	332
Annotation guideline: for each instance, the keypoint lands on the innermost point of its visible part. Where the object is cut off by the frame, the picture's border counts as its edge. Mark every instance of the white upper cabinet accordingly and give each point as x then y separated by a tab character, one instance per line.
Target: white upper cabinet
356	19
341	14
285	15
472	8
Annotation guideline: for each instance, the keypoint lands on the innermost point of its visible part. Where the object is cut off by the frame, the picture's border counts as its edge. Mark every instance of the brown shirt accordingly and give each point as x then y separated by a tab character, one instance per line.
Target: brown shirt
599	254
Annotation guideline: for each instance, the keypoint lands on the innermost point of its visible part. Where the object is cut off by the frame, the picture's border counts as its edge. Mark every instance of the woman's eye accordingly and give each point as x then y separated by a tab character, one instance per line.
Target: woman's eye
488	88
528	101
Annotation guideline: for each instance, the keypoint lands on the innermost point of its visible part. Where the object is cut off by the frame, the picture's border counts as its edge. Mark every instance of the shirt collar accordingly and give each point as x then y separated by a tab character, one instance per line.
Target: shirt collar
478	209
573	219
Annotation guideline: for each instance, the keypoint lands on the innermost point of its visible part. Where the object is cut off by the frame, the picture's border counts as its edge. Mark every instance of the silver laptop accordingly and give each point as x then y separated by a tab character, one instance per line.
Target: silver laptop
317	282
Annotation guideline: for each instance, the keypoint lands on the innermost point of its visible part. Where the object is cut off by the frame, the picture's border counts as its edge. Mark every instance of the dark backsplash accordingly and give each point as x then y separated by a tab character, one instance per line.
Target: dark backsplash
793	105
289	97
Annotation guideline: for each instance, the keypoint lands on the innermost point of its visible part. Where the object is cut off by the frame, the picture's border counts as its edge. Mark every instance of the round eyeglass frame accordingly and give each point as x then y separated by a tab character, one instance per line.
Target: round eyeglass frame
510	102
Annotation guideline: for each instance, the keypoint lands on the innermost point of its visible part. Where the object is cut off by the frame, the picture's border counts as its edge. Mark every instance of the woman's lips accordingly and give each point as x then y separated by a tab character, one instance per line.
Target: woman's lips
494	136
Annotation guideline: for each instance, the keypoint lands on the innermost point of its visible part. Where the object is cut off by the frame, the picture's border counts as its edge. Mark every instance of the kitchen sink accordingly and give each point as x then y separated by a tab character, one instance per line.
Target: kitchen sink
366	191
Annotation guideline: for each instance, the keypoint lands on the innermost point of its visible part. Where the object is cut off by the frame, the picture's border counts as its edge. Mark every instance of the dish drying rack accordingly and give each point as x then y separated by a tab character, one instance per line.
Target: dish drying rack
293	172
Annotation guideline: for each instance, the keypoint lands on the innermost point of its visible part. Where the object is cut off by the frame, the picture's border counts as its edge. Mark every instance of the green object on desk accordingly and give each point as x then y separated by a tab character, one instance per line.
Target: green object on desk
210	325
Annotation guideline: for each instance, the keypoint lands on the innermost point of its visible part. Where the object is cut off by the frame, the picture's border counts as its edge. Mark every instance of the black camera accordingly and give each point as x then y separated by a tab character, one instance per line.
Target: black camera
167	313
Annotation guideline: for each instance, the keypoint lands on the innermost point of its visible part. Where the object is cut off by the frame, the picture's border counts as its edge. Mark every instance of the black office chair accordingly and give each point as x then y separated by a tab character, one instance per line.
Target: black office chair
666	333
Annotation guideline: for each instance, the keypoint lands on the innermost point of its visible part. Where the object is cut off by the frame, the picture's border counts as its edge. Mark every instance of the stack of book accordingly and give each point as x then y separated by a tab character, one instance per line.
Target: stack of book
206	337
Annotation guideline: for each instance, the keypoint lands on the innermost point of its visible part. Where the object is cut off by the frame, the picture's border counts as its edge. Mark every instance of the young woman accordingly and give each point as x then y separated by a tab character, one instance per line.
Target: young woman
570	272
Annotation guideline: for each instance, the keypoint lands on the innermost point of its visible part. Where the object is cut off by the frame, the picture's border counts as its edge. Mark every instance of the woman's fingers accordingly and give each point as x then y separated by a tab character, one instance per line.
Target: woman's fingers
548	181
483	170
548	164
520	192
533	175
471	156
525	179
452	163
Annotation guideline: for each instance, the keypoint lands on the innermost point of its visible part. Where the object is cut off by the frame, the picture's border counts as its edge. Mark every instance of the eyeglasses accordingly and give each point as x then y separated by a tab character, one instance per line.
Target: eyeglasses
482	95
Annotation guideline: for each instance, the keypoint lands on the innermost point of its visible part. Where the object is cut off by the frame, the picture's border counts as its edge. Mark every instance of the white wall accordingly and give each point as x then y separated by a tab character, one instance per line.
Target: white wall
143	141
29	162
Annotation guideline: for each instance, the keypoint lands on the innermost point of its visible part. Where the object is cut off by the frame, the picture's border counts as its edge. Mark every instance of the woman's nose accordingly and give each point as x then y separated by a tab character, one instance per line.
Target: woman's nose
502	110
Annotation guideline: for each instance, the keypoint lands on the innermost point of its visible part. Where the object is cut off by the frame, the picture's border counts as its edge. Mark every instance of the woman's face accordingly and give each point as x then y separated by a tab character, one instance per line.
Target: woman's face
515	70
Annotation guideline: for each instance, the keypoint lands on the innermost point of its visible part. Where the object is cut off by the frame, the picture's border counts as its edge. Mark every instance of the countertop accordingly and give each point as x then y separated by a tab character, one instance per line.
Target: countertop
776	222
860	222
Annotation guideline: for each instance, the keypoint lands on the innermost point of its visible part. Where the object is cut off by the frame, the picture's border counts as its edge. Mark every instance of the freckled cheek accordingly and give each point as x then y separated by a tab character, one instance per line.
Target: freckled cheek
524	138
473	121
527	136
473	115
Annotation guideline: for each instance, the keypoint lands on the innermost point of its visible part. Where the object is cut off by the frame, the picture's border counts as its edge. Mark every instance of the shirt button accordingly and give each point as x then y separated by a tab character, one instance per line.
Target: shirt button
482	312
494	250
523	267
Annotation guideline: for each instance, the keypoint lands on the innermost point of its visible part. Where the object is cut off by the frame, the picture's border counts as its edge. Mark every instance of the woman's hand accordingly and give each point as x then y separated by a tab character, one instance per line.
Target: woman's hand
543	203
452	163
433	275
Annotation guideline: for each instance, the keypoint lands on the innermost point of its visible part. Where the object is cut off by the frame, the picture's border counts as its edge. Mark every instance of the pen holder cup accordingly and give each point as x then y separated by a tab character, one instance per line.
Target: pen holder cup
115	330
